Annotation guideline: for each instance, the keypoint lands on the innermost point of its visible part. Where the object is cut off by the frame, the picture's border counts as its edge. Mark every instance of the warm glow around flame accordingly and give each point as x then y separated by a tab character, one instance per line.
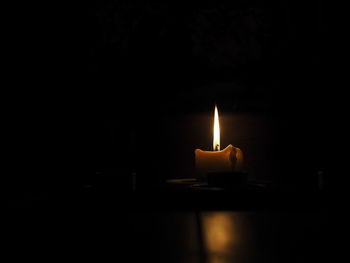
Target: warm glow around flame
216	139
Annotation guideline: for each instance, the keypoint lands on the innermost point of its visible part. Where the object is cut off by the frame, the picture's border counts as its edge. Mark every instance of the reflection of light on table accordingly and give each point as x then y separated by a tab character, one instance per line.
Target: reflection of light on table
220	235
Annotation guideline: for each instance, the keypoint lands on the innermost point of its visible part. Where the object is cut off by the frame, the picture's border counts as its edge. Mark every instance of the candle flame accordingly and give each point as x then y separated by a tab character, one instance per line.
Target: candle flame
216	138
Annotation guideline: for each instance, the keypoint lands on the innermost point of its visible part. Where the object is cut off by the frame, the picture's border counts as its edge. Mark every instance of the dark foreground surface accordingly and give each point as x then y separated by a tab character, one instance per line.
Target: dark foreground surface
171	224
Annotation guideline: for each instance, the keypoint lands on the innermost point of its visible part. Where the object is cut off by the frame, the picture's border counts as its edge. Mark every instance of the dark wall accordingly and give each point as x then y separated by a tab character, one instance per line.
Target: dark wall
153	66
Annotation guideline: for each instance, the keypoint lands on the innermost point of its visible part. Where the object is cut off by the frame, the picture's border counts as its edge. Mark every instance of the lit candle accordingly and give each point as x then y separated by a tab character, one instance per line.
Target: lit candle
229	159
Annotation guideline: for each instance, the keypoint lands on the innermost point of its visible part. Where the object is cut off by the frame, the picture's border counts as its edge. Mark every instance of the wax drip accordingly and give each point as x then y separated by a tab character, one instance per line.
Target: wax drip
233	157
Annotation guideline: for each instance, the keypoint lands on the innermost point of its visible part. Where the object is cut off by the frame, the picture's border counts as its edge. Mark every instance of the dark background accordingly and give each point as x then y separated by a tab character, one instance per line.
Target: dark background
140	99
157	68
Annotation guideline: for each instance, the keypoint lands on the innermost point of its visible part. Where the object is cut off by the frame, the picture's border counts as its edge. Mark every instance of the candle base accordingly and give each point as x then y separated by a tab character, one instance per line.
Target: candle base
228	179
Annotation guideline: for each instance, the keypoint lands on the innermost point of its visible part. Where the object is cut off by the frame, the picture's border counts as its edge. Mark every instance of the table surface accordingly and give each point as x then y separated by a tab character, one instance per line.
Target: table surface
174	236
172	225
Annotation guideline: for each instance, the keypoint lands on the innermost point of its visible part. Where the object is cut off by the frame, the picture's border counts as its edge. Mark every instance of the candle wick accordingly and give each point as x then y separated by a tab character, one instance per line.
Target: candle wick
217	147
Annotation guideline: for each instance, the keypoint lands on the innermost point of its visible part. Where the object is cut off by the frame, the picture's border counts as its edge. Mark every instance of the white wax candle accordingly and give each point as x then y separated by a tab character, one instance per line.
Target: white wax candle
229	159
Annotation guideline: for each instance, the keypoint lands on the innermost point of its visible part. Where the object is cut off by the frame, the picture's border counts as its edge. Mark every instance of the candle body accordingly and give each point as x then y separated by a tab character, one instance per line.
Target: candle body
229	159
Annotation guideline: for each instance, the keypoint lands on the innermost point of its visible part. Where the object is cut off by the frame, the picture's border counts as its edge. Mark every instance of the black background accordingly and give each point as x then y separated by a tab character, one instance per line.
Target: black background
150	64
130	87
129	76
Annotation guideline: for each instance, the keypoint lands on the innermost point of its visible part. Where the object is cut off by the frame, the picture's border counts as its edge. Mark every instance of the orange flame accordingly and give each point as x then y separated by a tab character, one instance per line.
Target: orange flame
216	138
